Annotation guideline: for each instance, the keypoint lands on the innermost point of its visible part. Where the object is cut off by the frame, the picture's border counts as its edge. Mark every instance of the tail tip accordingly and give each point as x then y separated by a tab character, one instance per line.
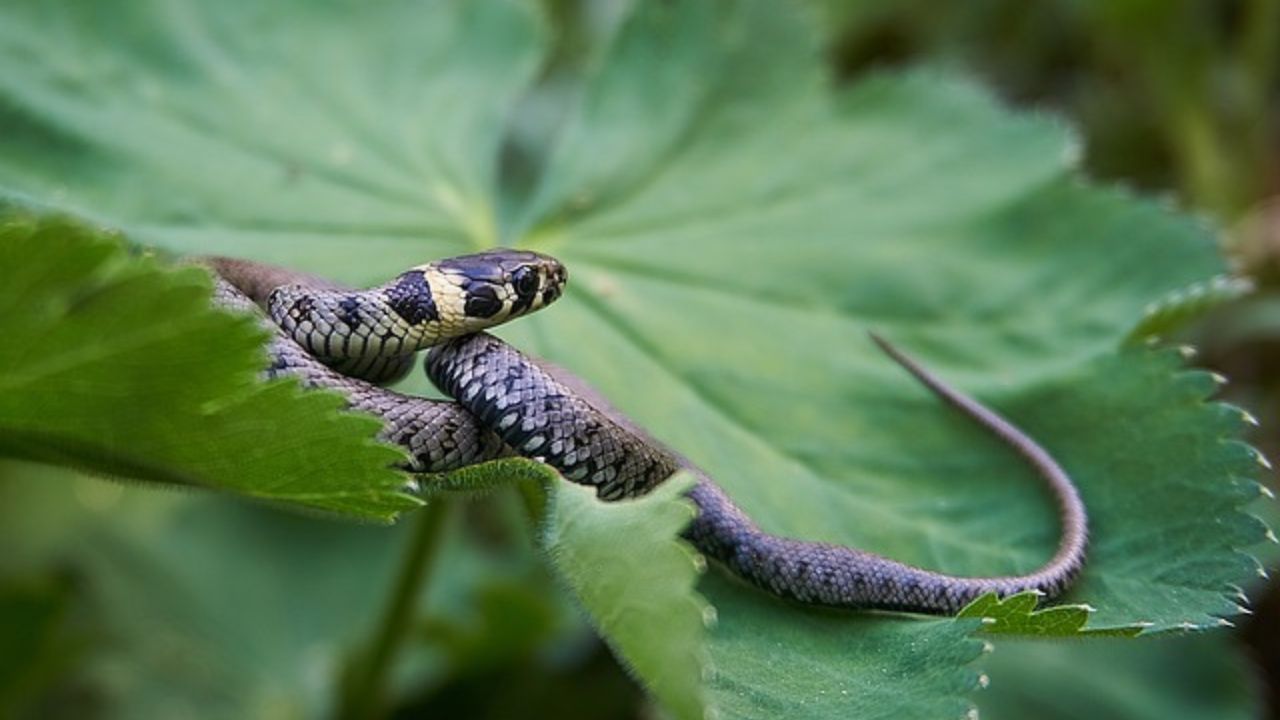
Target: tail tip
885	346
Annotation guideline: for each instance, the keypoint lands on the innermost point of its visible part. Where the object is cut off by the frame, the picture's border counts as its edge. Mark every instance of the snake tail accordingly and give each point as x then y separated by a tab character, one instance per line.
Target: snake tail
833	575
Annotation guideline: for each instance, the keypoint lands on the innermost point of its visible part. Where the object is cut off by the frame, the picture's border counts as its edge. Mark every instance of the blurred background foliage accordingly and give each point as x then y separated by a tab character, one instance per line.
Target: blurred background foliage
1174	97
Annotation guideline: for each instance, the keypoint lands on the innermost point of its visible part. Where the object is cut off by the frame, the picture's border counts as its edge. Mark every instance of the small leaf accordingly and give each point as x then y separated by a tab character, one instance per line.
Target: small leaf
1017	615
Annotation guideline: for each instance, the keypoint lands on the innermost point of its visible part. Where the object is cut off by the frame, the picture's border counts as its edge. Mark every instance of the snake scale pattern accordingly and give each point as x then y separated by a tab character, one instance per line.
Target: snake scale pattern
510	404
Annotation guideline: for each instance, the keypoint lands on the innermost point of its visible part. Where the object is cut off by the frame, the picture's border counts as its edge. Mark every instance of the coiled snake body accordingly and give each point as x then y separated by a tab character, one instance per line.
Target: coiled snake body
508	403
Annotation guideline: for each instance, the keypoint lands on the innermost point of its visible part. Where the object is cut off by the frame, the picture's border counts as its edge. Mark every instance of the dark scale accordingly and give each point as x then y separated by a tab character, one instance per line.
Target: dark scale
349	311
410	298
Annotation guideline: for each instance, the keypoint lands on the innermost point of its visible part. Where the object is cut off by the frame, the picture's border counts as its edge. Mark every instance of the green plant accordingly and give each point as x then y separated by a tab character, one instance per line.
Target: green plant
733	224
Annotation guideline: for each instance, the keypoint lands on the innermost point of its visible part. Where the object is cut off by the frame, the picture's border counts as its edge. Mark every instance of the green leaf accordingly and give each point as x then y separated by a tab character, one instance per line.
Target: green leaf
632	578
120	367
733	225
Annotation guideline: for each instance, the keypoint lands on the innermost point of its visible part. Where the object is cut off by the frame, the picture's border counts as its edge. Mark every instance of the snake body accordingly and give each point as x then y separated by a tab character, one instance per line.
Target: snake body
508	403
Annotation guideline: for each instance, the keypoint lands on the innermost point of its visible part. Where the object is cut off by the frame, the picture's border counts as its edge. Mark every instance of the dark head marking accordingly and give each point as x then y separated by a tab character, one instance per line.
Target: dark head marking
410	297
482	301
479	267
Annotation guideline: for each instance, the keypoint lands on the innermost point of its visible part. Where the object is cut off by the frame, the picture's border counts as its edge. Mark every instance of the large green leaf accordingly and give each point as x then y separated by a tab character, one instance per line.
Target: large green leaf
305	129
733	226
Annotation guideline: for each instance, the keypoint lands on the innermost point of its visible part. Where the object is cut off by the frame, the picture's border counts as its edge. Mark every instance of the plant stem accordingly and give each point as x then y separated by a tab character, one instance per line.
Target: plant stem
368	670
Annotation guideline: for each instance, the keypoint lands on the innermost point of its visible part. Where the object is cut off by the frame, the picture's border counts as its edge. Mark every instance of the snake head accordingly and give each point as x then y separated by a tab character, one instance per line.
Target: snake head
473	292
371	333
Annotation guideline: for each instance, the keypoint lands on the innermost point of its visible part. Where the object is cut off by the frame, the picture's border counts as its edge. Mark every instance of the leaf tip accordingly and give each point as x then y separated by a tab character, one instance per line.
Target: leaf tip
1262	459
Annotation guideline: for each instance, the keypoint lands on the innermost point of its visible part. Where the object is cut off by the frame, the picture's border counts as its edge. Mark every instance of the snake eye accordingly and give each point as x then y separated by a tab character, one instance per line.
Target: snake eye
526	282
482	302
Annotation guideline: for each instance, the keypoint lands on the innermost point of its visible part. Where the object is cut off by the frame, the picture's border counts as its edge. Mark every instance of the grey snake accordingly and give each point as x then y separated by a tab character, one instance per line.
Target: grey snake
507	403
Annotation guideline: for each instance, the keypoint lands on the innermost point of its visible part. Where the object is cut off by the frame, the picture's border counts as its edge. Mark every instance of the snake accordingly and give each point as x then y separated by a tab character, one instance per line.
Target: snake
506	403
